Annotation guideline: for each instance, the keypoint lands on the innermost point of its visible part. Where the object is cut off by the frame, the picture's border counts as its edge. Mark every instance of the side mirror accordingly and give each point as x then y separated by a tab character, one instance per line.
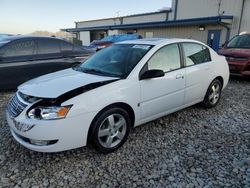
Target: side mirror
154	73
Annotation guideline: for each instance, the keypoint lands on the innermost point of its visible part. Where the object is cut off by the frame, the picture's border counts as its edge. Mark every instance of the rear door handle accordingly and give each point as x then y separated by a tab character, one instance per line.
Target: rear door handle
179	76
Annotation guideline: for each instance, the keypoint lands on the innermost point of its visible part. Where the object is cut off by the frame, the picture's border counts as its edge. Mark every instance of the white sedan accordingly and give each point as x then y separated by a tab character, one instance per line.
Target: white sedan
120	87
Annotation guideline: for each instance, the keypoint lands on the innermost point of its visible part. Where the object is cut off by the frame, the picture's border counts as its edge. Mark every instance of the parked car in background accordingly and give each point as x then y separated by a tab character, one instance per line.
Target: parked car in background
116	89
237	53
107	41
25	57
5	35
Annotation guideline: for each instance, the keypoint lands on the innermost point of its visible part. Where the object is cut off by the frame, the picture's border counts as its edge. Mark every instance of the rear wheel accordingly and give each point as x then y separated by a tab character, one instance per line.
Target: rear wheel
213	94
110	130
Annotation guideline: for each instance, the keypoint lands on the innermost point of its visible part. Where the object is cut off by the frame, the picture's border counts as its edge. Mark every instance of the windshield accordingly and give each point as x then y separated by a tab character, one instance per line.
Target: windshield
241	41
116	61
3	42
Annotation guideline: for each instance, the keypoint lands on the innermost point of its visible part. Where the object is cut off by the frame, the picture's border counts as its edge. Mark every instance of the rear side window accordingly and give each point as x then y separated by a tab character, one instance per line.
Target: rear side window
18	48
65	46
195	54
46	46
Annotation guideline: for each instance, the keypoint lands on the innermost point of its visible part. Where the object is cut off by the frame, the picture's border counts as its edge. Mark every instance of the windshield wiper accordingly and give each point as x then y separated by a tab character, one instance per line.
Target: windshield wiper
92	71
98	72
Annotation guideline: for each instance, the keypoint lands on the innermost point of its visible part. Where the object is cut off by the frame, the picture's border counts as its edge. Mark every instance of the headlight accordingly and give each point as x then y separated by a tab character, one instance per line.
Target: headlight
49	113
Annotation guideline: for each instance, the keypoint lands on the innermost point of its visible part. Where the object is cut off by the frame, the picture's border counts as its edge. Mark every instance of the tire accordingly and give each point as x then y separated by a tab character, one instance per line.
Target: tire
110	130
213	94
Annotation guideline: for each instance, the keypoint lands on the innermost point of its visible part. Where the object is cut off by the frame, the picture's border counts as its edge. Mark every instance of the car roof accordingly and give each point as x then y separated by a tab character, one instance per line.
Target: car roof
16	37
156	41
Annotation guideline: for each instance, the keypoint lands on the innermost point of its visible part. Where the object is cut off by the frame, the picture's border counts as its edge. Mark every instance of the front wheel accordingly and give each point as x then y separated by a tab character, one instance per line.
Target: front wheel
213	94
110	130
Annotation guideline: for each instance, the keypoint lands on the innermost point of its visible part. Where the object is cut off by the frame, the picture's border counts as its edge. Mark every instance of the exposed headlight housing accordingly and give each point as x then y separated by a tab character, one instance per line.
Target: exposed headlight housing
101	47
49	113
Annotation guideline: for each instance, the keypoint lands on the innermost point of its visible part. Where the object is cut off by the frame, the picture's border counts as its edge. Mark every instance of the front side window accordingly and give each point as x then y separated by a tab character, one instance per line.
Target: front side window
117	60
47	46
18	48
166	59
195	54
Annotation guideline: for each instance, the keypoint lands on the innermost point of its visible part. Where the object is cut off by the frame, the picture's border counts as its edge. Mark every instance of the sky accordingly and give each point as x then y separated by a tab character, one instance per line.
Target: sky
26	16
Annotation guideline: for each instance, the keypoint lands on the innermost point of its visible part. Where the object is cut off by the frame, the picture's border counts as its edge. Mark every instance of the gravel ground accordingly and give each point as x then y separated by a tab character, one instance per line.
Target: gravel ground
195	147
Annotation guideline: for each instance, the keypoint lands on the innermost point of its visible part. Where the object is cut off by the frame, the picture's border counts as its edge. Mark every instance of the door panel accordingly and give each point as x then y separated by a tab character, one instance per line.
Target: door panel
166	93
16	56
48	49
198	70
49	57
196	82
14	74
162	94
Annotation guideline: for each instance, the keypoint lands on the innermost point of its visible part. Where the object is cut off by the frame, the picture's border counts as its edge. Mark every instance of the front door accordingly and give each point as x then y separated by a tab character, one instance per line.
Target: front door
164	94
213	39
15	58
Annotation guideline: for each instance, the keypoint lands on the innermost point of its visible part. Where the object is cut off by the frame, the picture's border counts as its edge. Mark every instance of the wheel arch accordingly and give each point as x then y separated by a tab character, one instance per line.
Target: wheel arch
220	79
122	105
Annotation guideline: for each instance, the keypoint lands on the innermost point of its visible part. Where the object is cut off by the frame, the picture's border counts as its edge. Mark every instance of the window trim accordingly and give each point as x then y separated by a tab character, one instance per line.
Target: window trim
182	65
183	54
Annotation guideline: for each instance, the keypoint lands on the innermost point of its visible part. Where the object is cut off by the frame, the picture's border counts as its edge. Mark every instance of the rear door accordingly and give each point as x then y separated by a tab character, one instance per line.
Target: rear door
15	58
197	61
49	57
69	55
48	49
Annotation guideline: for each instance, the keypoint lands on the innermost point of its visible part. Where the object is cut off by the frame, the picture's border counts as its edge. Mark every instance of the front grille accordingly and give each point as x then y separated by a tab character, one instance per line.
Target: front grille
15	106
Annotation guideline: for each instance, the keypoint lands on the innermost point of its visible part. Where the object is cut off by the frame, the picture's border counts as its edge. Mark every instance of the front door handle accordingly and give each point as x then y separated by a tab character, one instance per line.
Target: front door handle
179	76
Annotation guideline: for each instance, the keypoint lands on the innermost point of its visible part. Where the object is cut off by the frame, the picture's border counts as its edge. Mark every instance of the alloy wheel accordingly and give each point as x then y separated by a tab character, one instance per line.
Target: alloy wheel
214	93
112	130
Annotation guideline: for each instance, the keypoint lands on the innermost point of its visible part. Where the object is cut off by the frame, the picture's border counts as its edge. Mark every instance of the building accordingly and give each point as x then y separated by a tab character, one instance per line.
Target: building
209	21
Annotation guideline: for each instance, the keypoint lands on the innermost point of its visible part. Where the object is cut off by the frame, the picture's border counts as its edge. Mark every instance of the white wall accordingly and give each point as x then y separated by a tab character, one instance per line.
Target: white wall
101	22
113	32
188	32
207	8
146	18
245	23
161	16
85	37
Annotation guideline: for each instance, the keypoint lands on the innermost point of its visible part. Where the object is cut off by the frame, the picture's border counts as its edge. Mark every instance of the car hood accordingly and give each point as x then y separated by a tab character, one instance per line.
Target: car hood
235	52
55	84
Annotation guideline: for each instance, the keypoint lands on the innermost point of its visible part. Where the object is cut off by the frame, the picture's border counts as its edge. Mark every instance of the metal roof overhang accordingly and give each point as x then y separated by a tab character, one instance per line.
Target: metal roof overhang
183	22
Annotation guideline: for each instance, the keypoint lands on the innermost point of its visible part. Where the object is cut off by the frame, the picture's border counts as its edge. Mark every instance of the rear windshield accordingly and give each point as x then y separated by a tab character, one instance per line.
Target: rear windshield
240	41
